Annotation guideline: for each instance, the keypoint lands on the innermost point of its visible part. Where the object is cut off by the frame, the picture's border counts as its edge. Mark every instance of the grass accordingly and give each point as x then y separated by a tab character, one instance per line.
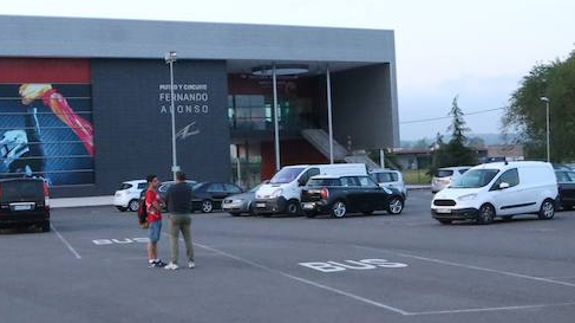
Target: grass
414	176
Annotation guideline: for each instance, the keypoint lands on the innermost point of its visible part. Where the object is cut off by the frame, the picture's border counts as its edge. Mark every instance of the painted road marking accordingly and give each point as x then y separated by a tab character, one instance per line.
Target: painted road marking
122	241
364	264
66	243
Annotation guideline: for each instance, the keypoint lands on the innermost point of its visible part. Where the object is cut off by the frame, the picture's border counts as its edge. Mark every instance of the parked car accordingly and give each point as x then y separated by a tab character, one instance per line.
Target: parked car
566	186
24	202
444	176
208	196
164	186
237	204
498	190
283	192
340	195
126	197
390	178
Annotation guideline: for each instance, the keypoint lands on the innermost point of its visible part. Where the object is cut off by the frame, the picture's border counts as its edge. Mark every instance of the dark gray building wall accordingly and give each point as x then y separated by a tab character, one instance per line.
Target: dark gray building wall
132	132
362	107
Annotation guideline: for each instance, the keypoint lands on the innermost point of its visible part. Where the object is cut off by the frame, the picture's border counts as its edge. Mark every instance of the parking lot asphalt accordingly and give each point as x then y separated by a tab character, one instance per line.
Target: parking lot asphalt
379	268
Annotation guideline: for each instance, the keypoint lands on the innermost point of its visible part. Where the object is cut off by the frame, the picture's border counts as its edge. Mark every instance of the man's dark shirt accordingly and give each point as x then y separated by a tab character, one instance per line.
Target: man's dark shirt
179	199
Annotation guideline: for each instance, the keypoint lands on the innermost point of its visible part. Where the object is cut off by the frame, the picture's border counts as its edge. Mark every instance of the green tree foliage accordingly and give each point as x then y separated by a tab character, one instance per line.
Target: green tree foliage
420	144
527	113
455	152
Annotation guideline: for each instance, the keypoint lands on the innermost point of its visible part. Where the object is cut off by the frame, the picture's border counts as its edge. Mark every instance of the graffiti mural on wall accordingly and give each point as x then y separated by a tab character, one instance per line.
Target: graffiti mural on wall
46	131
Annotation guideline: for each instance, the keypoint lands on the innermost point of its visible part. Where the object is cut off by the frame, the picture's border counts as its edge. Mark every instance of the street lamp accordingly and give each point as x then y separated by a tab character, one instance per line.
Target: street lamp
170	58
546	100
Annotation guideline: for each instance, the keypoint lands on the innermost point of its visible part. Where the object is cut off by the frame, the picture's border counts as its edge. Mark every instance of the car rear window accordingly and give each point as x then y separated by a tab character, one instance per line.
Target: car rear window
323	182
22	190
125	186
443	173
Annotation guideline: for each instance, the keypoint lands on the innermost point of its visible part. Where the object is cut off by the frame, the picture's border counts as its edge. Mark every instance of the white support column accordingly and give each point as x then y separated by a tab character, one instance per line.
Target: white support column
276	123
329	114
382	158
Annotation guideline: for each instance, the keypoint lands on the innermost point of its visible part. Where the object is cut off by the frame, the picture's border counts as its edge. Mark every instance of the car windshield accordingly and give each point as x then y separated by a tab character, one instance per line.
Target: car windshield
443	173
286	175
253	190
323	182
475	178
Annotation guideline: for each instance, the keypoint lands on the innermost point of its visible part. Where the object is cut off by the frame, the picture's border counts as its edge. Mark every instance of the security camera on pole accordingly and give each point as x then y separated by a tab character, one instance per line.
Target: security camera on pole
170	58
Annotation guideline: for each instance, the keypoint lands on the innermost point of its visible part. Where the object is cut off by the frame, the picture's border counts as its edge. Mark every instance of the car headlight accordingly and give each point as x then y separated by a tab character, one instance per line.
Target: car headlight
467	197
277	193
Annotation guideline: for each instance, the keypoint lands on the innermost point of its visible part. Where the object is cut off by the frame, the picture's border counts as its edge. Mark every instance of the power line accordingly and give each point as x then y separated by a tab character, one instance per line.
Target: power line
448	117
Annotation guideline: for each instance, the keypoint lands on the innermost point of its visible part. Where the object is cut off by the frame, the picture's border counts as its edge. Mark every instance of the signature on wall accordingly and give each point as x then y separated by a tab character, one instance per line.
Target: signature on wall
188	131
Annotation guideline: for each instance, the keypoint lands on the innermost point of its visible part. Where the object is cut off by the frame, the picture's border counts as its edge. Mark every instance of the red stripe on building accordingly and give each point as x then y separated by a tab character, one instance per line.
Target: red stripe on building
44	70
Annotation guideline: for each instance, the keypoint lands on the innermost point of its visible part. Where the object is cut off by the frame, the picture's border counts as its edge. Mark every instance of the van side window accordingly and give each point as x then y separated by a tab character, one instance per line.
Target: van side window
511	177
309	174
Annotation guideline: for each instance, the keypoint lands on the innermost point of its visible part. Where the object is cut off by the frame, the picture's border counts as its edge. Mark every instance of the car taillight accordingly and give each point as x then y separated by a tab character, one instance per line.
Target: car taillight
46	197
324	193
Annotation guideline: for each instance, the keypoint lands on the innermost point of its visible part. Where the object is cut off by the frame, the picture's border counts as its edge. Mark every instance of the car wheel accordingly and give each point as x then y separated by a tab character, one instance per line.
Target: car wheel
395	206
133	205
547	210
293	208
122	209
207	206
486	214
338	209
45	227
444	221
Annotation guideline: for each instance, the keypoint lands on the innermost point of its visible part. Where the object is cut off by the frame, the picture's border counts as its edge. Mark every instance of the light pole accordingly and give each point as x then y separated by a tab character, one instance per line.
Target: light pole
170	58
546	100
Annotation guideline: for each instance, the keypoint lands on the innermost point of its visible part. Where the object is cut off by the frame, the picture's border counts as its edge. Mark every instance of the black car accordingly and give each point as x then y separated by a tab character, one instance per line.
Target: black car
566	183
340	195
208	196
24	202
164	186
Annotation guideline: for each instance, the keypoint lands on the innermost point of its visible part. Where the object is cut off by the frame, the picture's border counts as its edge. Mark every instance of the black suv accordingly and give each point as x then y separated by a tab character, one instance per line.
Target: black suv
340	195
24	202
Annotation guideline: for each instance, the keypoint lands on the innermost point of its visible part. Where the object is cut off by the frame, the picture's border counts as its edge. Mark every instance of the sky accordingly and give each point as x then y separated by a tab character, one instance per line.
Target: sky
478	50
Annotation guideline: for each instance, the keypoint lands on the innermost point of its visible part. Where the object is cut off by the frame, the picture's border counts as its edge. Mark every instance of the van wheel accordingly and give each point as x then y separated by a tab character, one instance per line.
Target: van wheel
133	205
45	227
338	209
207	206
395	206
486	214
292	208
547	211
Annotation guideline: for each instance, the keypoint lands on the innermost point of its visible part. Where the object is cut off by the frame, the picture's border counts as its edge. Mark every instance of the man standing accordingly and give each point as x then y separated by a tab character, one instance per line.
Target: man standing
154	208
179	201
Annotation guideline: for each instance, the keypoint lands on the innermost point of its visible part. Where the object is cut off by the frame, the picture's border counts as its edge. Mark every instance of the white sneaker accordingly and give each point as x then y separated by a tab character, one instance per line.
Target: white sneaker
191	265
171	266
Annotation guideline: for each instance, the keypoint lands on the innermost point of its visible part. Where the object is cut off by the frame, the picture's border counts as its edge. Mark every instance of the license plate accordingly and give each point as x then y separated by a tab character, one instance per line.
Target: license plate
443	211
22	207
260	205
308	206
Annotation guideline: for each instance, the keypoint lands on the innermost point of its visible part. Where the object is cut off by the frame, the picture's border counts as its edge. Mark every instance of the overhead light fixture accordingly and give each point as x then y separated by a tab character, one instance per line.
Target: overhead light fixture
281	70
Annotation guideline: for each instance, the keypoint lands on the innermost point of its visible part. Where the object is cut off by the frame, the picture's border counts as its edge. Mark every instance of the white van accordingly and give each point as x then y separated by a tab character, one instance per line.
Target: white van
501	189
282	193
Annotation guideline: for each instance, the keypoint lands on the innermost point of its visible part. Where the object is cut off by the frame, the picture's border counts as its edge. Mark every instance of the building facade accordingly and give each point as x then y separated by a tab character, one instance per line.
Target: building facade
86	102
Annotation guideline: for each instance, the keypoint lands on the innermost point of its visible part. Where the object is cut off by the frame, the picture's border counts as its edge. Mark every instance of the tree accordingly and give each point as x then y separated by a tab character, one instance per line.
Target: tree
527	114
476	142
455	152
420	144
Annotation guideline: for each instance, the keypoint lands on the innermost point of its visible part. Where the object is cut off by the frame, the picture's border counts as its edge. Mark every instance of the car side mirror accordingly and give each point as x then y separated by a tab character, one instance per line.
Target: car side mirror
504	185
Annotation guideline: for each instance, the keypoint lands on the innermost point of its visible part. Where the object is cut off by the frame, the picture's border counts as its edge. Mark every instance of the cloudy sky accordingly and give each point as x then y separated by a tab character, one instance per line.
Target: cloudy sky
477	49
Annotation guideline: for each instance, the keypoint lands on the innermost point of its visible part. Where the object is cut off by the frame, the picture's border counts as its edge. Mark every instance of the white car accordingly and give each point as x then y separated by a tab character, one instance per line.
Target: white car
390	178
444	176
126	198
501	189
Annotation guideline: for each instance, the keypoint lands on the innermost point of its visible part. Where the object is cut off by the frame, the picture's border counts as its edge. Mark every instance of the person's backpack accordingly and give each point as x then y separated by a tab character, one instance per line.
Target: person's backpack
143	211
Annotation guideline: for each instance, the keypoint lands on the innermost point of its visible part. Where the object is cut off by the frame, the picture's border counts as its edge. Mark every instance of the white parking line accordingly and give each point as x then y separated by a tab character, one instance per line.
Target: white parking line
492	309
68	245
455	264
306	281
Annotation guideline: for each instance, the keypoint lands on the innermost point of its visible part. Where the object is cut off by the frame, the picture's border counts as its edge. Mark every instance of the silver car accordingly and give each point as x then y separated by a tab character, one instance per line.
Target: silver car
444	176
390	178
